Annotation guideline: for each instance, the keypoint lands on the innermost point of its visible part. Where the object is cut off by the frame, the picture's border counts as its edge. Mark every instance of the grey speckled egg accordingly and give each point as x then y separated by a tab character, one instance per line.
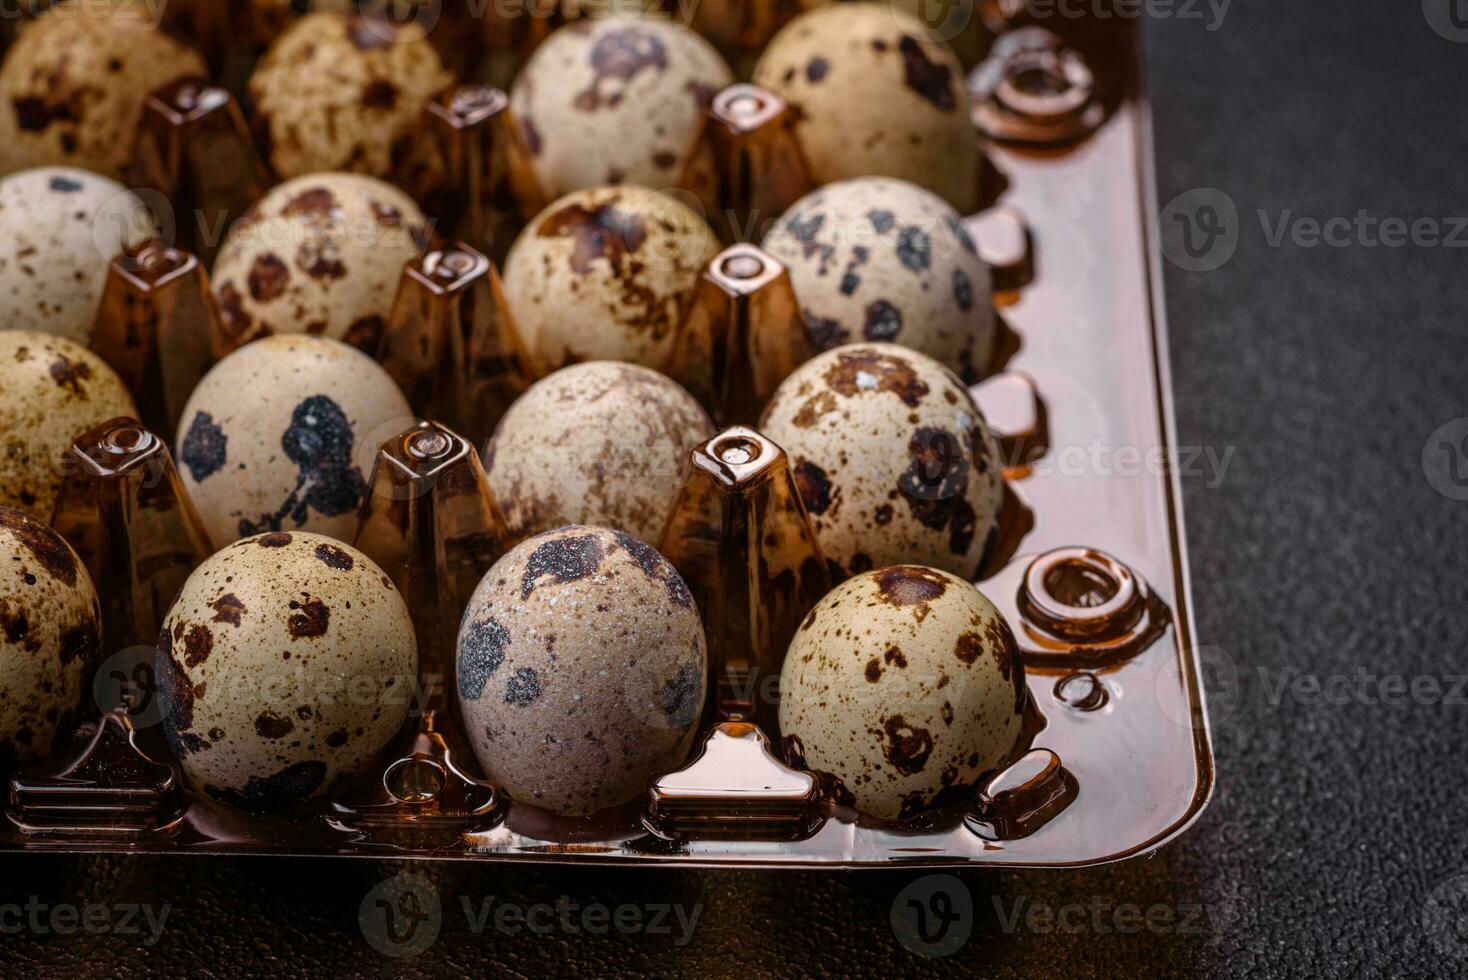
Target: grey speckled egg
59	229
904	686
597	443
875	95
50	631
893	459
51	391
581	669
340	92
884	260
321	254
73	85
282	434
616	100
606	274
287	662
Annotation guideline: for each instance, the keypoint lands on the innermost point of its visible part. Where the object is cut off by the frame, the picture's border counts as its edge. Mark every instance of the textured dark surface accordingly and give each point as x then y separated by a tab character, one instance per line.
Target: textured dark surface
1325	550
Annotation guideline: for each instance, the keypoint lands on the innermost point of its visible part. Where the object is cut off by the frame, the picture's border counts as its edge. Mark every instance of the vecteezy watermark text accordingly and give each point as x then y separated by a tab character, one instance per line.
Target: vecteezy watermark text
95	918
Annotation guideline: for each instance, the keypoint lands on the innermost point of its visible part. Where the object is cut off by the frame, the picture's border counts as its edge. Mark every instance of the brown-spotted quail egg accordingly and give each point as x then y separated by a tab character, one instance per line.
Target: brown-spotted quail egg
59	229
616	100
892	457
903	686
72	87
875	95
50	630
320	254
276	435
341	92
287	662
884	260
606	274
581	666
596	443
51	391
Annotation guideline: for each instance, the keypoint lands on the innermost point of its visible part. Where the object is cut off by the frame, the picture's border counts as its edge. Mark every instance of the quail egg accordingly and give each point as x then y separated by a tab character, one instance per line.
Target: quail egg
59	229
276	435
72	87
892	457
884	260
606	274
50	631
876	95
51	391
903	687
287	662
320	254
596	443
581	669
616	100
342	92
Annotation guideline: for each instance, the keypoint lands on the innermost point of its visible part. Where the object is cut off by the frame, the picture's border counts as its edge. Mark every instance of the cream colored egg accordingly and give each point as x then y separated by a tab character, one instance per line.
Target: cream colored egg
904	686
597	443
73	85
616	100
876	95
581	669
286	663
341	92
606	274
51	391
282	434
50	634
59	229
884	260
321	254
893	459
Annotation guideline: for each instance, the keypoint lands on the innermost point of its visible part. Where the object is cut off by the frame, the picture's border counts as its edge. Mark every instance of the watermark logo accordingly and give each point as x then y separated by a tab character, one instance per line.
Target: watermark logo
1445	917
401	916
129	678
1218	673
933	916
1199	229
944	19
1445	459
1448	18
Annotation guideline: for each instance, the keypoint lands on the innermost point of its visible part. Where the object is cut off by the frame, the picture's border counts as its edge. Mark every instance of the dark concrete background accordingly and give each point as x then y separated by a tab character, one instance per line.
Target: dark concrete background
1325	551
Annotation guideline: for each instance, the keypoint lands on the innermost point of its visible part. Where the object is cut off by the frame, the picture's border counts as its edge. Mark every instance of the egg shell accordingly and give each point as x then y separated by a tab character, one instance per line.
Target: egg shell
340	92
581	669
59	229
904	686
50	635
321	254
51	391
596	443
282	435
614	100
606	274
287	662
893	459
883	260
73	85
876	95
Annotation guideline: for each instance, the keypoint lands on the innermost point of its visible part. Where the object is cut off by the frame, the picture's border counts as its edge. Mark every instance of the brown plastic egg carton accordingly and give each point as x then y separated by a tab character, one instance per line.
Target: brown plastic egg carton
1090	570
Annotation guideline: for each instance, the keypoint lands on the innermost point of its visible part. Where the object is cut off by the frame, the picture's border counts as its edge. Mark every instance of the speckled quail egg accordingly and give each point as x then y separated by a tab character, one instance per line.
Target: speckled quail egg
320	254
59	229
581	669
606	274
287	662
341	92
51	391
884	260
72	87
903	686
616	100
50	630
892	457
276	435
596	443
875	95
